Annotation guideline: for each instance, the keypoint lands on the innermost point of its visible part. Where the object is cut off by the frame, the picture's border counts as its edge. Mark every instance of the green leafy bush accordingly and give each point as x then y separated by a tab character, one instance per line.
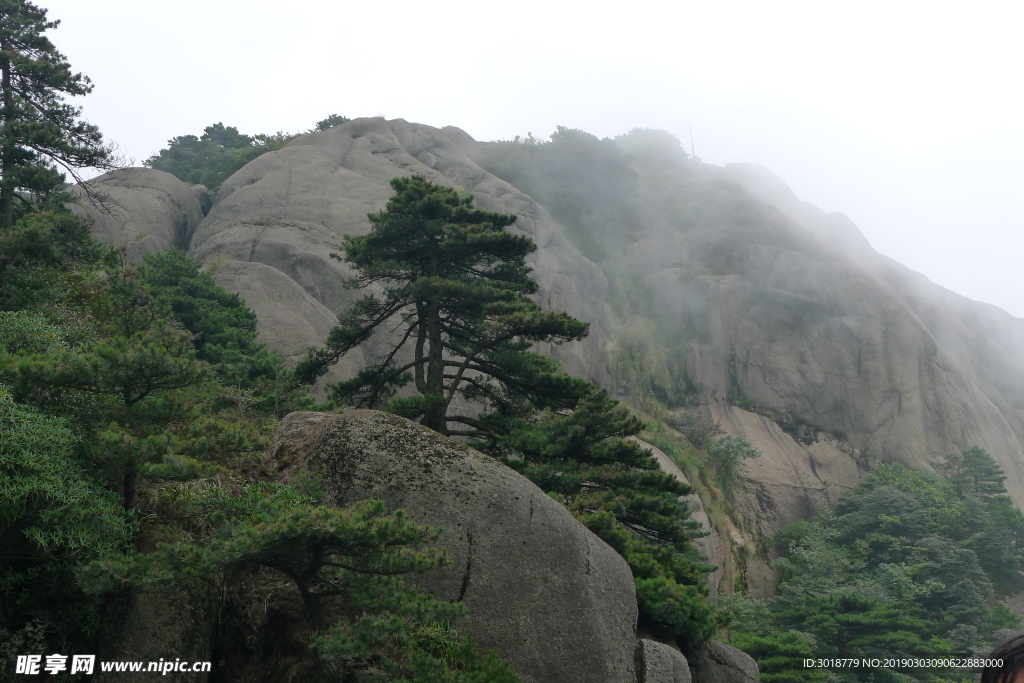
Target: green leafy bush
698	430
723	461
53	517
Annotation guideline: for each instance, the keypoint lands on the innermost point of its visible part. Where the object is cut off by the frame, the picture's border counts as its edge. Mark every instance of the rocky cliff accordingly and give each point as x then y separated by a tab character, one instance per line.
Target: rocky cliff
554	600
763	312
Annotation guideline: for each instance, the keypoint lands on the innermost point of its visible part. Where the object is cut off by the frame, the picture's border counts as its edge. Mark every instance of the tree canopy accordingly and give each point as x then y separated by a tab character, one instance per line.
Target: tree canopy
41	135
459	284
906	564
146	384
213	157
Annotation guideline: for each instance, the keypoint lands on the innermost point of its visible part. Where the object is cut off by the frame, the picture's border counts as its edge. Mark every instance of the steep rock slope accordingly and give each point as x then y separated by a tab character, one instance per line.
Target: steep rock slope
289	210
744	295
808	324
721	290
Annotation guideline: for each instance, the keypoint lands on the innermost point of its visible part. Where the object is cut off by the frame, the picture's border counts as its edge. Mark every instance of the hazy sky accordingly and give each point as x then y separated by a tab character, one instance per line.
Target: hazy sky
905	116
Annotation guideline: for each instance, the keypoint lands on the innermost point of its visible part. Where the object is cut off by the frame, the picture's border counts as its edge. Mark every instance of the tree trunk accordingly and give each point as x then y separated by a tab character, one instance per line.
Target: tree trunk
436	412
6	141
435	415
131	487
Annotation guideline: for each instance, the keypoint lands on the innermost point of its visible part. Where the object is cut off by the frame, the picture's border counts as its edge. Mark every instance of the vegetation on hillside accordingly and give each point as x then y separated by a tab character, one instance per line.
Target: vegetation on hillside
132	402
211	158
586	460
135	399
906	565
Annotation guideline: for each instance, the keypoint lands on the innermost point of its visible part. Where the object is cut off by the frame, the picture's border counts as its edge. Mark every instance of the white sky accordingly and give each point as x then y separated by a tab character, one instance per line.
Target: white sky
905	116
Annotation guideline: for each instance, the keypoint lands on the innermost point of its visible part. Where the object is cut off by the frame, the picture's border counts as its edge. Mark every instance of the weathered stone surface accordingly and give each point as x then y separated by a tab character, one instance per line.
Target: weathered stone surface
662	663
276	298
555	601
804	320
720	663
290	209
148	211
791	480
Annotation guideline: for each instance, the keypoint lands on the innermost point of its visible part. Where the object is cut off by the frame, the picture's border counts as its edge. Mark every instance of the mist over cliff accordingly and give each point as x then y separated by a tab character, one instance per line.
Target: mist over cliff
708	289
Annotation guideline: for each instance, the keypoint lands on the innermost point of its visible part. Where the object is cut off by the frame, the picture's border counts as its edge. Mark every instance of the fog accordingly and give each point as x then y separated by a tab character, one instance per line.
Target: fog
905	118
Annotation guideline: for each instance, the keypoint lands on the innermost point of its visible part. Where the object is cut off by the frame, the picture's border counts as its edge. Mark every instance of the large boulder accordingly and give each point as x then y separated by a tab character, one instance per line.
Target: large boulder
141	210
554	600
661	663
720	663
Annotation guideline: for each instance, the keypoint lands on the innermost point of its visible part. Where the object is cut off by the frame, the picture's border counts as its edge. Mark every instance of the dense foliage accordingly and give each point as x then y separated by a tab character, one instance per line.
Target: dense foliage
907	564
214	156
367	625
132	402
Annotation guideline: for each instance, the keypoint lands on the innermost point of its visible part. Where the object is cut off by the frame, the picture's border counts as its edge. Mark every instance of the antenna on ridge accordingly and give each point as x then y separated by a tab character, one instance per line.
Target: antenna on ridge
693	152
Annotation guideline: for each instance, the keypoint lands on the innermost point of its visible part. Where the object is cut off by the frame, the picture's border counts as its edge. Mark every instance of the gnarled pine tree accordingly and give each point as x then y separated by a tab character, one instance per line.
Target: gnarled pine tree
460	283
40	133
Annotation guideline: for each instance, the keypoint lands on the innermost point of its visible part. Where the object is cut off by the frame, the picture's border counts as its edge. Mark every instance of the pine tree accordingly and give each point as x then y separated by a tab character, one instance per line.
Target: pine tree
460	284
223	332
213	157
366	623
40	133
973	472
151	405
614	486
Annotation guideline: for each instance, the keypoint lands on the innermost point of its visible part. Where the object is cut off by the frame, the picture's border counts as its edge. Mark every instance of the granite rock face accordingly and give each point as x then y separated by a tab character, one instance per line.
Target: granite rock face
788	311
290	209
662	663
720	663
778	303
554	600
764	302
144	210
